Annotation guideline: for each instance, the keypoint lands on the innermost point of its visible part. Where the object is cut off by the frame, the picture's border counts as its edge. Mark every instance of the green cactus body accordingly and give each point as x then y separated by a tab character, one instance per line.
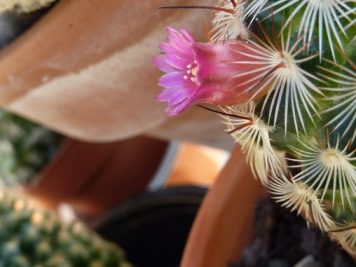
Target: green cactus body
300	138
282	75
32	237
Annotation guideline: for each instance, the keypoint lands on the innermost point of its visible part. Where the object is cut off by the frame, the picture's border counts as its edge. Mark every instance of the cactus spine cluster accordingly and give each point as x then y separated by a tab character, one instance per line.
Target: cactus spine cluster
31	237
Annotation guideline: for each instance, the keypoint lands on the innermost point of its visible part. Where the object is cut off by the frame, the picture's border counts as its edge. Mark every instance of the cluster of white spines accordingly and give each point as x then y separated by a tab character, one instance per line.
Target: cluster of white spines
229	25
318	18
322	167
301	198
345	97
253	135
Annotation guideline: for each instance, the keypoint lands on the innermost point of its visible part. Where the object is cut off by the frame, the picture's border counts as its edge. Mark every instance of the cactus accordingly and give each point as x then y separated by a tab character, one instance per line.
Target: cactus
23	5
33	237
282	76
25	148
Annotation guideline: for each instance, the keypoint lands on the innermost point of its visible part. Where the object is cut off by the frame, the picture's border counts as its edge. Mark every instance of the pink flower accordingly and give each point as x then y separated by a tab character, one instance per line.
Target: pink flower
204	72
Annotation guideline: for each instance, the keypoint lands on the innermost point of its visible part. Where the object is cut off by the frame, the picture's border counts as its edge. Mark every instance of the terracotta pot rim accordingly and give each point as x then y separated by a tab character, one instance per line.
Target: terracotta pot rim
223	225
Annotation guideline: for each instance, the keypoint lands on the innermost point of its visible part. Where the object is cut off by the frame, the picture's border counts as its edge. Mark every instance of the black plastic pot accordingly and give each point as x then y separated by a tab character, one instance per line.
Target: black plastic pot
153	228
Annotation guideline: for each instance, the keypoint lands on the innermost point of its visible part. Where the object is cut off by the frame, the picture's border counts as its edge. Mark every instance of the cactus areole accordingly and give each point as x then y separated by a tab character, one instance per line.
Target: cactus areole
282	76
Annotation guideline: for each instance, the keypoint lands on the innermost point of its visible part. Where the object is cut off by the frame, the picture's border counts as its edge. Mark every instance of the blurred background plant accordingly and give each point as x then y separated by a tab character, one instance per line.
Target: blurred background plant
25	148
30	236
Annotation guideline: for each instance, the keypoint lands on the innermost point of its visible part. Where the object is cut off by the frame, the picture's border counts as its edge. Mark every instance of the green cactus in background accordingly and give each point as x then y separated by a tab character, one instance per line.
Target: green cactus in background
32	237
25	148
300	137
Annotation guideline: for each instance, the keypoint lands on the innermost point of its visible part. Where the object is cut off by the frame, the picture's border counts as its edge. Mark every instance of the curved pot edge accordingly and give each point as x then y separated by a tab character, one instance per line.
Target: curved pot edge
223	226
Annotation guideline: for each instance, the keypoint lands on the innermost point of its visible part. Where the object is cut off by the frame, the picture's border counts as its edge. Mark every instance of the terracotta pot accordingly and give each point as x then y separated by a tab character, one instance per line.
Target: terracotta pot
223	225
95	176
85	70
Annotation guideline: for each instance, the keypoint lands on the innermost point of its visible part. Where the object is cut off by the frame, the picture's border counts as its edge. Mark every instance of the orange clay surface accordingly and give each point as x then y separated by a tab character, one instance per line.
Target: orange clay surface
196	165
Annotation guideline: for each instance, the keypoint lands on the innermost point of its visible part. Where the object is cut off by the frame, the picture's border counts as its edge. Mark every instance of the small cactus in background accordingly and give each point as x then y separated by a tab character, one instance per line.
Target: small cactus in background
32	237
295	61
25	148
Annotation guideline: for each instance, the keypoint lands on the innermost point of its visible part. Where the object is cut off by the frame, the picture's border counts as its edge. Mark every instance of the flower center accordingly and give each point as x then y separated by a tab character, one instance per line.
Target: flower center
192	72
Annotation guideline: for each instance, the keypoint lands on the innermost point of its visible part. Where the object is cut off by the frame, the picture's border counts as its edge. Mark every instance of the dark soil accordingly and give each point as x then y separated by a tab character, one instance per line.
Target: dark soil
282	239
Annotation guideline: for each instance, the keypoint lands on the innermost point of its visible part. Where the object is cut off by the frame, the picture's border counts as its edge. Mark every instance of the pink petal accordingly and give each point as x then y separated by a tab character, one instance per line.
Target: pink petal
172	79
178	100
160	63
184	52
179	107
177	62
